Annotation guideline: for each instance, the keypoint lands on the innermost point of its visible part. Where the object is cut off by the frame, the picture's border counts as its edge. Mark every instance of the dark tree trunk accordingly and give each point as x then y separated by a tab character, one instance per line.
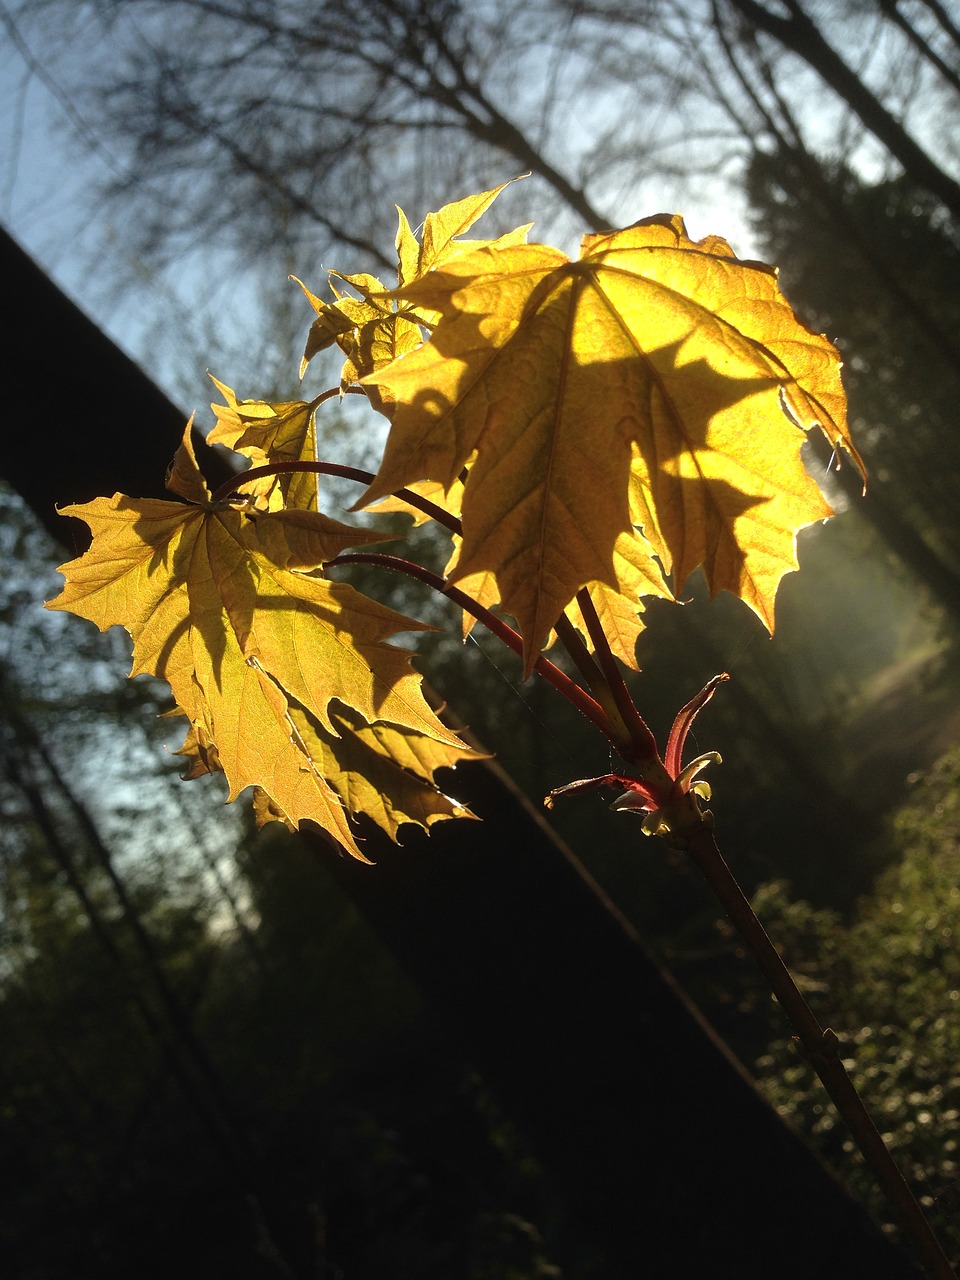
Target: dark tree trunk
82	418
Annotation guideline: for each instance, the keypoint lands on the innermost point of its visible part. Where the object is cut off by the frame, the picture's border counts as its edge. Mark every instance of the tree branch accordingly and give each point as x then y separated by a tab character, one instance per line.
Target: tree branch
802	37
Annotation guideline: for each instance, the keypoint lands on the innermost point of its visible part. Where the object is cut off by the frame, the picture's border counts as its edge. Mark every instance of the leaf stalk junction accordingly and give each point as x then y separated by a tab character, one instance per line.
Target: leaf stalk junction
667	794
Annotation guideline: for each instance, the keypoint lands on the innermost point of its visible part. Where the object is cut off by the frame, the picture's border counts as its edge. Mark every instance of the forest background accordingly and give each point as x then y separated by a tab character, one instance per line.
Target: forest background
145	927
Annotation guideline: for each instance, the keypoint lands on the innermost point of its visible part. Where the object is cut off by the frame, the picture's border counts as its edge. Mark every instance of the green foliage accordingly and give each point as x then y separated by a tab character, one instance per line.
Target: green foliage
260	1079
891	980
310	1115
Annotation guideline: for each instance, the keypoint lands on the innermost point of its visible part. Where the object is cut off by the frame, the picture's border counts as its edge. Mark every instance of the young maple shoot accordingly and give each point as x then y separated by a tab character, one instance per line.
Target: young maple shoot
590	432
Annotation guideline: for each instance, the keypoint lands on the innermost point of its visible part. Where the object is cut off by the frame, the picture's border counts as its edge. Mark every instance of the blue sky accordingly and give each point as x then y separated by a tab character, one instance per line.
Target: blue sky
47	186
171	324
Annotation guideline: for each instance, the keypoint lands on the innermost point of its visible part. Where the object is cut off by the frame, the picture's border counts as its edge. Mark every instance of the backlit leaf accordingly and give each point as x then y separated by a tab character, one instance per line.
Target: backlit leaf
650	360
372	330
223	603
384	771
264	433
619	609
378	770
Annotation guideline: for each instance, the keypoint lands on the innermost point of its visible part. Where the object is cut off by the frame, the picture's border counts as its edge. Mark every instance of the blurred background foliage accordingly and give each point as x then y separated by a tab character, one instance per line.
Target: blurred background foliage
210	1065
890	977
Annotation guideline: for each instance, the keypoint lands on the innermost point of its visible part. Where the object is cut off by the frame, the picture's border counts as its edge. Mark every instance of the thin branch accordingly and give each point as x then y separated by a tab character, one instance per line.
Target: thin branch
230	487
576	696
828	194
642	742
802	37
924	48
821	1046
944	19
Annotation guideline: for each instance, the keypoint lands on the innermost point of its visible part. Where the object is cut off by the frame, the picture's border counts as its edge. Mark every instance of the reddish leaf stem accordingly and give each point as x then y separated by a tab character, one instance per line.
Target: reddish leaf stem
230	487
603	675
583	659
622	730
578	697
643	745
596	681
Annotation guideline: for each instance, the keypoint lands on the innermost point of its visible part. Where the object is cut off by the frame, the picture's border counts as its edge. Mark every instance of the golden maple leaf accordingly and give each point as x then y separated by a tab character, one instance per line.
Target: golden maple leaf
371	329
223	603
651	361
264	432
442	237
385	771
619	610
379	770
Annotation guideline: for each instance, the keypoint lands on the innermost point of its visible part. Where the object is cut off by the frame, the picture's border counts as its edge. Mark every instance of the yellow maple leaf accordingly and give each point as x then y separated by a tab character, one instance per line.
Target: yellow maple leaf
651	360
442	237
369	330
447	500
372	330
264	432
383	771
379	770
618	609
223	603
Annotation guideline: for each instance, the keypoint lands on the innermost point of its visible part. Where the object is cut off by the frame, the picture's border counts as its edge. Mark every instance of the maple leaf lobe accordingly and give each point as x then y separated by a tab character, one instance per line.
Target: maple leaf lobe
248	644
652	360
